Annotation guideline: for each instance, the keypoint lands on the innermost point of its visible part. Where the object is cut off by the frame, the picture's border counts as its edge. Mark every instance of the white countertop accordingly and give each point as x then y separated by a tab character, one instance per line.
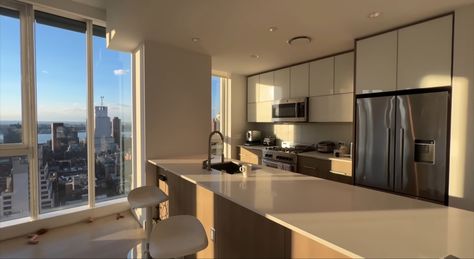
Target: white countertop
355	221
327	156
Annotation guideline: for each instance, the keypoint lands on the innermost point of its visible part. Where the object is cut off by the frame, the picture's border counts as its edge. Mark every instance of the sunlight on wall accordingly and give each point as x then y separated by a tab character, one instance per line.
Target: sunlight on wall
285	132
460	163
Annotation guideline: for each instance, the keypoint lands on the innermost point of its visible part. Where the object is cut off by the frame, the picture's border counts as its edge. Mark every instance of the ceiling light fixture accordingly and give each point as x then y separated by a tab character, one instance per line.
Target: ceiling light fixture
272	29
195	39
373	15
299	40
254	56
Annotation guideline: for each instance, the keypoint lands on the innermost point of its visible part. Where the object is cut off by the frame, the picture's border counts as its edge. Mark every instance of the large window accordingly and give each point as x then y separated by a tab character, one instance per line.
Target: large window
51	110
61	90
113	119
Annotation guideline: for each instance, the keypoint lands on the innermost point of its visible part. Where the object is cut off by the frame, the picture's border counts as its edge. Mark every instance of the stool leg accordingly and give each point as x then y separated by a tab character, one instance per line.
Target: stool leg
148	229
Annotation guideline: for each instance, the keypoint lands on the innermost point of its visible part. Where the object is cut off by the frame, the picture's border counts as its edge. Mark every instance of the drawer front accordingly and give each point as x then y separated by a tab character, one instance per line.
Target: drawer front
313	167
341	167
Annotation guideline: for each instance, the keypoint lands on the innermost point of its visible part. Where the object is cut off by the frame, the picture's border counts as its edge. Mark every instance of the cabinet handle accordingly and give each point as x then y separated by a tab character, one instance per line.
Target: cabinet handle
309	167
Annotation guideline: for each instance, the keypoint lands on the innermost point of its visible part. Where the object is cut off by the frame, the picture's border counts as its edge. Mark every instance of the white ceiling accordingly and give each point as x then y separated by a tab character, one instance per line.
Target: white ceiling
232	30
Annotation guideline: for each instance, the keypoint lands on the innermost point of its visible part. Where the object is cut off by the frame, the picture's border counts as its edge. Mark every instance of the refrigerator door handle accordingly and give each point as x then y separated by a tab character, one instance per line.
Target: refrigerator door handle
402	147
387	157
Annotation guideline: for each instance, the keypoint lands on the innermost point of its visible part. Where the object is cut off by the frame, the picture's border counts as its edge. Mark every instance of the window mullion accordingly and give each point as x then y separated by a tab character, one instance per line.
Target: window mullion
90	116
29	105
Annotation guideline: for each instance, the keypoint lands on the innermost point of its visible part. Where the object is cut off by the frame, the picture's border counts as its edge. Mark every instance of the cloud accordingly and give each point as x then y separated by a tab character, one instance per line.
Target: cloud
44	71
120	72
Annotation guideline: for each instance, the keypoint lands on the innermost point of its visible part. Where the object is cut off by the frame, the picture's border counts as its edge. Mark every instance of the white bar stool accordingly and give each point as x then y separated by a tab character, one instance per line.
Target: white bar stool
177	236
174	237
146	197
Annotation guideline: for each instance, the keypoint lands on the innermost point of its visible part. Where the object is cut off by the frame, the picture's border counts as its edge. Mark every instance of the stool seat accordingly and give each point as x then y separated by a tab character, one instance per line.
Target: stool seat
177	236
146	196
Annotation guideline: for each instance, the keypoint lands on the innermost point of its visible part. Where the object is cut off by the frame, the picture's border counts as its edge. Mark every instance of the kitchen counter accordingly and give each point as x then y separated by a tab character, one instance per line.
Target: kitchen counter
352	220
326	156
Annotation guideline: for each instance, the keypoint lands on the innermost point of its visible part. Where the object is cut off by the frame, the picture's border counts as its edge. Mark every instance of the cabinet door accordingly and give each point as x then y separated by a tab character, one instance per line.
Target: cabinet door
252	112
344	73
332	108
321	77
241	233
264	111
266	88
252	88
282	84
313	167
424	54
376	65
299	81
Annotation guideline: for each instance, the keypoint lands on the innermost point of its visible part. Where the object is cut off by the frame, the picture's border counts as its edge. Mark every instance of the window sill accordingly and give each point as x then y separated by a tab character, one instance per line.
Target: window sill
23	226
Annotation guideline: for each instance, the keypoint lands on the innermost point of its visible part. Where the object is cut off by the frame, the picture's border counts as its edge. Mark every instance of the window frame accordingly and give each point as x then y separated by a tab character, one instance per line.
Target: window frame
29	145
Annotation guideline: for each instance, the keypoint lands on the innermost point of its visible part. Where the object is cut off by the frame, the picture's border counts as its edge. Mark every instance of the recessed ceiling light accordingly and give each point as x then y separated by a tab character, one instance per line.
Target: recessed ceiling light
299	40
195	39
272	29
374	15
254	56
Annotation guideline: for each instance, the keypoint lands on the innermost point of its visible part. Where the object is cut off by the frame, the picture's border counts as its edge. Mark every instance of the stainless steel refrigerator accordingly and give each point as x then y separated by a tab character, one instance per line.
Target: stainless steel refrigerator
402	143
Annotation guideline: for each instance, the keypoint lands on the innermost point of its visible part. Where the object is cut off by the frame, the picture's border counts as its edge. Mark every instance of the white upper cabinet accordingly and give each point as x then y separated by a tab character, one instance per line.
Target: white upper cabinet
252	88
266	87
264	111
321	77
252	112
299	81
424	54
344	73
376	67
282	84
331	108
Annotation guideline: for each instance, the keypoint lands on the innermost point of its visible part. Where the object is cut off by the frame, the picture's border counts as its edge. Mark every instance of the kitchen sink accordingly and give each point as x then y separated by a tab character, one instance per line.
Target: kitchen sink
227	167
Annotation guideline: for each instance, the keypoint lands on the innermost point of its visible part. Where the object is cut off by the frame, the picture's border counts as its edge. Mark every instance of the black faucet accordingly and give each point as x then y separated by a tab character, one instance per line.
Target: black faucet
209	149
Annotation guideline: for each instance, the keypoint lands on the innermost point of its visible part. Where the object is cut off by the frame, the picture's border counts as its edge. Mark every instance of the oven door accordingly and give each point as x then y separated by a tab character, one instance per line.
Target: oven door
278	165
290	110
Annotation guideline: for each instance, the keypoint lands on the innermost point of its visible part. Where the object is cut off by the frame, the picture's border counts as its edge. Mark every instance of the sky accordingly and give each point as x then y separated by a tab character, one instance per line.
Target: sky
61	74
215	106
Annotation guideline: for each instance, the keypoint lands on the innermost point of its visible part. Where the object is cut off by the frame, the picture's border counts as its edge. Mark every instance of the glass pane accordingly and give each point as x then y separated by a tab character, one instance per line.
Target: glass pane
10	80
14	182
61	104
113	121
216	103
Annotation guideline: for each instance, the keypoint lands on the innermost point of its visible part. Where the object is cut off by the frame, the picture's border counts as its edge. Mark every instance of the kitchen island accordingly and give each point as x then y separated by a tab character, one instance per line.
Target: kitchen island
342	220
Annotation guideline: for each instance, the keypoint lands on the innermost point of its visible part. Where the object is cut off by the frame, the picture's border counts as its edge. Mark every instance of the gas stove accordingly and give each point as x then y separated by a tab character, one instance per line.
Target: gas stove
284	157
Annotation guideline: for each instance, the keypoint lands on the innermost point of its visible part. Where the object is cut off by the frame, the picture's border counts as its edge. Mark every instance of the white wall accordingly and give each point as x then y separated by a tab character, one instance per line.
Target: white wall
177	96
461	179
237	115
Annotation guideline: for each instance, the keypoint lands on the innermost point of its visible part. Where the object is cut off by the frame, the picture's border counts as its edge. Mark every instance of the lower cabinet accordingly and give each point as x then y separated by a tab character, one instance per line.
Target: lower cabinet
339	171
248	155
238	232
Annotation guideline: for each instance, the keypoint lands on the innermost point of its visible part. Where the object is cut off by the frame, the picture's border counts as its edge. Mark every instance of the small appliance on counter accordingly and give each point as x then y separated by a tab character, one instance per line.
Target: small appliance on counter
343	150
269	141
253	137
326	147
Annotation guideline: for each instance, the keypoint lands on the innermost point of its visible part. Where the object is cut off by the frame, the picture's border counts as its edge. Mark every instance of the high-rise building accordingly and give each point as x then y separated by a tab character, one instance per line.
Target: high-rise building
14	198
116	130
103	130
62	137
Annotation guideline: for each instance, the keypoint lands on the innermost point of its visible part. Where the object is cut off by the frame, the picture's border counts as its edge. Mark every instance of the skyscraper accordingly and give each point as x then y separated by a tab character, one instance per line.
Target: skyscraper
116	130
103	129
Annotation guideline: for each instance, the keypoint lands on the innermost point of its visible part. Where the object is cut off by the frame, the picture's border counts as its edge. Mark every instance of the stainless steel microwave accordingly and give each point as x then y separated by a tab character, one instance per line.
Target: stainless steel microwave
290	110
